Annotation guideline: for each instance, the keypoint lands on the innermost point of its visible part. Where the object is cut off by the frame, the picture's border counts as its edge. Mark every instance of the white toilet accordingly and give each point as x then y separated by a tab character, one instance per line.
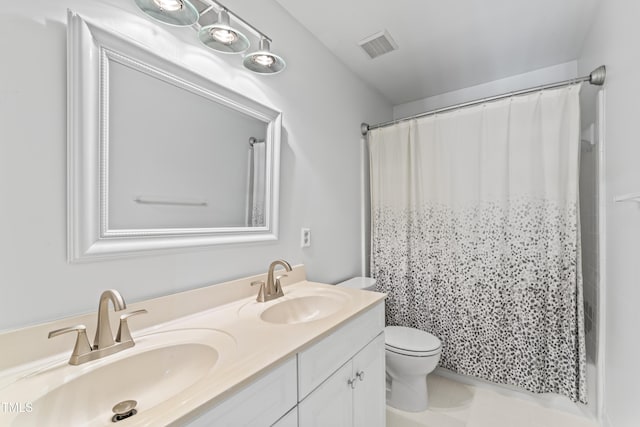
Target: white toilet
411	355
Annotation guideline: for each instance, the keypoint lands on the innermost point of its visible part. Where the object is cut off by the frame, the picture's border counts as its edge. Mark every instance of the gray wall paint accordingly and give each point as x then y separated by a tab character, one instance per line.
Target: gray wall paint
322	102
552	74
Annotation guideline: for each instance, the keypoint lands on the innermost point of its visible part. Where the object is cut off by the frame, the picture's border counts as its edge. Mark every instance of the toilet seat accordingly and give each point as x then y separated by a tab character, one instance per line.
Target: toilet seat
411	341
413	353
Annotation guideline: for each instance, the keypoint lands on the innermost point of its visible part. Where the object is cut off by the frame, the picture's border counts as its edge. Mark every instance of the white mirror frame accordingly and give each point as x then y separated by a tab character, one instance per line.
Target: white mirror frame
89	48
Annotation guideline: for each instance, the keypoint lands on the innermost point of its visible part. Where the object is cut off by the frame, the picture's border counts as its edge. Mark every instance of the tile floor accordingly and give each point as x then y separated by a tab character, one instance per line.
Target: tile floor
453	404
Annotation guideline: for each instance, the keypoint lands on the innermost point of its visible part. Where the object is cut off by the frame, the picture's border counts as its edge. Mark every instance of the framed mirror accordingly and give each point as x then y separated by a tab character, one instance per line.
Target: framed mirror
160	157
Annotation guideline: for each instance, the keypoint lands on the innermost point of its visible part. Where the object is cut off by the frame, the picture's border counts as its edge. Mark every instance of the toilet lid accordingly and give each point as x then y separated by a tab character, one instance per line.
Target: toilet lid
404	340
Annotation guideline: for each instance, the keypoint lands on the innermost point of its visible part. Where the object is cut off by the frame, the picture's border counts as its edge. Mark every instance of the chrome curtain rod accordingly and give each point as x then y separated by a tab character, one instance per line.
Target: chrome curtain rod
597	77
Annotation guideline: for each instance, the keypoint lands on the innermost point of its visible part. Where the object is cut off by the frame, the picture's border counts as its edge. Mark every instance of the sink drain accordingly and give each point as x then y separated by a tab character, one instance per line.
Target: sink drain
124	410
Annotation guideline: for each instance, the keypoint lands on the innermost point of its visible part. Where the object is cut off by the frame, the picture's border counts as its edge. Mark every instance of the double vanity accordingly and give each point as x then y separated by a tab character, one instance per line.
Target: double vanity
309	355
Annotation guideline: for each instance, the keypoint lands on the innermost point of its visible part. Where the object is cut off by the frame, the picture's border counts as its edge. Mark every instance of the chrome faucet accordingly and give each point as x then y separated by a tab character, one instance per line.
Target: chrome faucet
272	289
103	343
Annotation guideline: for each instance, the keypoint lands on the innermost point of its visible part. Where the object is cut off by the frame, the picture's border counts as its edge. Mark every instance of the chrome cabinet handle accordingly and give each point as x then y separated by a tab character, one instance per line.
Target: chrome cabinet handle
82	345
124	334
352	382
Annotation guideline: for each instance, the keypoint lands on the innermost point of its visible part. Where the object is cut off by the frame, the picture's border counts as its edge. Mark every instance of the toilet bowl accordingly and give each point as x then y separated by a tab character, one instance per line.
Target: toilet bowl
410	354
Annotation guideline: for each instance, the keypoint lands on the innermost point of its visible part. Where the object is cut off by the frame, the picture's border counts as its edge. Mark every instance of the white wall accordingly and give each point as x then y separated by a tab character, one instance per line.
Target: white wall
613	41
539	77
323	105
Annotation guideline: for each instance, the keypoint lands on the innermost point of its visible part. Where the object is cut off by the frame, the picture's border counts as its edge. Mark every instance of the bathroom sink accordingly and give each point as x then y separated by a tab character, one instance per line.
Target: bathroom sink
302	309
298	305
161	366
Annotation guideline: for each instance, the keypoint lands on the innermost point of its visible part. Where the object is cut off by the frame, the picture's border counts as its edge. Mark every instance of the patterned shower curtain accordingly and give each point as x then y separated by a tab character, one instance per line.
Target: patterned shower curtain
475	237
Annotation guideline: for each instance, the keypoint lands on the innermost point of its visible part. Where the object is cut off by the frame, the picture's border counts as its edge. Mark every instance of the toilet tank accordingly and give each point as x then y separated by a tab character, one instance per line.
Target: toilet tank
364	283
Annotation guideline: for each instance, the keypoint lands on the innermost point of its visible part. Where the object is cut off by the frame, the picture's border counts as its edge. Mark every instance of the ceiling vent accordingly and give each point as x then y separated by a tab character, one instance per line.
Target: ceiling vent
378	44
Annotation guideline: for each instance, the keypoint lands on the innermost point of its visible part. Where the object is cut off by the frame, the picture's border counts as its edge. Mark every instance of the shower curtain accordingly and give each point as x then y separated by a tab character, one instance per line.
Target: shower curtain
256	183
475	237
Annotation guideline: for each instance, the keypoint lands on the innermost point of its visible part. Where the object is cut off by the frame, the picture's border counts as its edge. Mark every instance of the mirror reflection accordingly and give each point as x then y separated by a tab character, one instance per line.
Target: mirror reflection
178	159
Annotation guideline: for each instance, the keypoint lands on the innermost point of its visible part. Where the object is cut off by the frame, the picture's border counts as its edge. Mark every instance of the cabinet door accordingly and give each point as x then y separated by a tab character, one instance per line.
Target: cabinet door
331	403
318	362
369	405
289	420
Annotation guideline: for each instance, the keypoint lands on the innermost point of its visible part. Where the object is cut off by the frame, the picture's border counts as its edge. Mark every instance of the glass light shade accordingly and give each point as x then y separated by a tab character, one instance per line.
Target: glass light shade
222	37
169	5
173	12
264	61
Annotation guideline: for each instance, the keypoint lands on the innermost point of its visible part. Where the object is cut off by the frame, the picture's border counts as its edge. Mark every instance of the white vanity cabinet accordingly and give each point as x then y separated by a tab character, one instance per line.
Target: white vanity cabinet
369	394
261	403
289	420
352	396
341	379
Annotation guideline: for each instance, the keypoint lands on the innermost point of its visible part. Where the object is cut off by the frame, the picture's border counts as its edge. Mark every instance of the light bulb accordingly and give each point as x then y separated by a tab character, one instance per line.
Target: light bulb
264	60
223	35
169	5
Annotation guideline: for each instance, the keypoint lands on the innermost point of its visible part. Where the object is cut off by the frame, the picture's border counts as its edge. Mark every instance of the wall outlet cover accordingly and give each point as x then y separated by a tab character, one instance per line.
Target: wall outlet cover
305	237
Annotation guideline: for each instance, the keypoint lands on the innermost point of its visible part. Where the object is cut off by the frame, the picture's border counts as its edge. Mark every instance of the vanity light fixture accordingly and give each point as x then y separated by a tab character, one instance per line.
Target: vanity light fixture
263	61
220	36
180	13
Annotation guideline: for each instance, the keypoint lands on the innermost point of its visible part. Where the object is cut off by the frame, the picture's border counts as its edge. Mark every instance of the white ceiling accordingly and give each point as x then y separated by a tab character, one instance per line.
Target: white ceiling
447	45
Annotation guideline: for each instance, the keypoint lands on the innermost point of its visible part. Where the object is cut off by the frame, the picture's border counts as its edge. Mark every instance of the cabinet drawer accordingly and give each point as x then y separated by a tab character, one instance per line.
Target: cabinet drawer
318	362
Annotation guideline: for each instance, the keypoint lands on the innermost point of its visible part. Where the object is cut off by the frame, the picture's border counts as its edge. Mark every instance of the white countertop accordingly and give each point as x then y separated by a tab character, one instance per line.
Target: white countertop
255	345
